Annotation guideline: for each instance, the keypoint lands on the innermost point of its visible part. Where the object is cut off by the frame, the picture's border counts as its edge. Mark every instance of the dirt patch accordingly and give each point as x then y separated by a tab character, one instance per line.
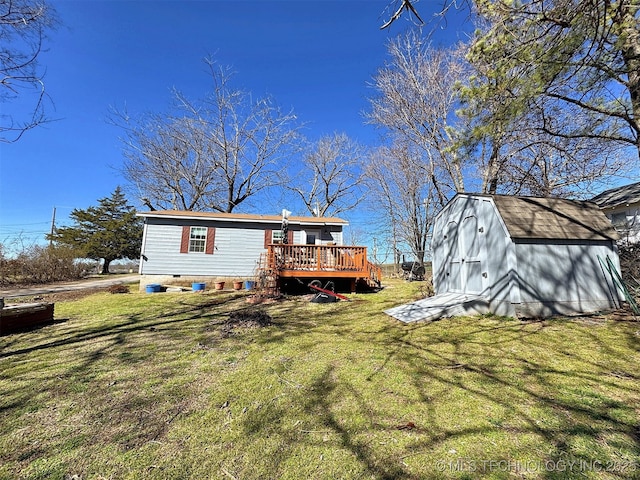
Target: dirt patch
118	289
66	296
247	318
624	314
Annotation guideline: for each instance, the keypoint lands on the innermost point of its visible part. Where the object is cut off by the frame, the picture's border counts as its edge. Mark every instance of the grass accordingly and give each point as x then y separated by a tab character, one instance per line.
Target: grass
158	387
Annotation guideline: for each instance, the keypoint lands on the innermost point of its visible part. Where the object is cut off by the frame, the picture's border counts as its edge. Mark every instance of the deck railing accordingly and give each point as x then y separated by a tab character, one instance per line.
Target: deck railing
308	259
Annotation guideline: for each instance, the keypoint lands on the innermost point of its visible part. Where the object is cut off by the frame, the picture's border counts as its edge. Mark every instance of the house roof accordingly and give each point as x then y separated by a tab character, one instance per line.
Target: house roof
614	197
241	217
553	218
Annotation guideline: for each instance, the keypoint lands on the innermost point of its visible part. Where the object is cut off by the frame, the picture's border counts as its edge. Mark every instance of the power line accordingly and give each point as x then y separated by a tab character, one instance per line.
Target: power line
4	225
23	232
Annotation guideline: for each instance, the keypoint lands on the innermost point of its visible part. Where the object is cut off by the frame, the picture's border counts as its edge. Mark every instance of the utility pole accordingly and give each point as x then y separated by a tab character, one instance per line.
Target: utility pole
53	227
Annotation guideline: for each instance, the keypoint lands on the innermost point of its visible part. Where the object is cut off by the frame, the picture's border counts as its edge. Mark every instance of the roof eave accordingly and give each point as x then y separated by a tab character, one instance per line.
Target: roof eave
321	221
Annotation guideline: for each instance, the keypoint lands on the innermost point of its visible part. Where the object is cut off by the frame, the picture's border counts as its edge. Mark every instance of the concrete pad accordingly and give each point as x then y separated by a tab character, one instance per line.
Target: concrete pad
440	306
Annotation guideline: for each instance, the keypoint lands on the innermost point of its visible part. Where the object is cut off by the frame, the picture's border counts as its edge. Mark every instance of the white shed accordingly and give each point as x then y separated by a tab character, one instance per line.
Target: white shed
520	257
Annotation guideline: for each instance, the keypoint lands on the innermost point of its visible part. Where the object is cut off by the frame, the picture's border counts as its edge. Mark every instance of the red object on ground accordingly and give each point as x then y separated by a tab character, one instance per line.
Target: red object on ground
329	292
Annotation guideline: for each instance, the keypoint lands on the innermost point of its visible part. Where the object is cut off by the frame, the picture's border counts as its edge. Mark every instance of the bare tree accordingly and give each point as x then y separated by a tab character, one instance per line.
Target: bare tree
212	154
415	102
399	185
554	97
548	165
330	174
405	5
515	156
23	28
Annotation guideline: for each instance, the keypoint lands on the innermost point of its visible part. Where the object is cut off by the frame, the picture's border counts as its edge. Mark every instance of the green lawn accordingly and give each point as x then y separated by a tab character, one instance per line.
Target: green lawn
156	386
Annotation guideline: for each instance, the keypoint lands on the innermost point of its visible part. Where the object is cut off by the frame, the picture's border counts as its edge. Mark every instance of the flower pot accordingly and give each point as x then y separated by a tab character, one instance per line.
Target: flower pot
237	285
153	288
249	285
218	285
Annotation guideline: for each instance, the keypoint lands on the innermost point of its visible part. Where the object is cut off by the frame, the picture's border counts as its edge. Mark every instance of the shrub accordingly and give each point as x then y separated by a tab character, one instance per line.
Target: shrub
40	264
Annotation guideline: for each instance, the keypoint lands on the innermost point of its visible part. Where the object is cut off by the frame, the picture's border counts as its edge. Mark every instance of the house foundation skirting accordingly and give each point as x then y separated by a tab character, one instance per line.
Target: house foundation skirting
187	280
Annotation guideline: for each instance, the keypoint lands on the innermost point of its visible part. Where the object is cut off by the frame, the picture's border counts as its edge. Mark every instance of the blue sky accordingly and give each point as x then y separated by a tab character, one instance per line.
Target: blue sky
315	57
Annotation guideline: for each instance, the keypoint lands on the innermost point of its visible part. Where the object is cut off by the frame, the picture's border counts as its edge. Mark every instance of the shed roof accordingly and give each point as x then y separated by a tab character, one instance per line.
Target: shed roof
614	197
241	217
553	218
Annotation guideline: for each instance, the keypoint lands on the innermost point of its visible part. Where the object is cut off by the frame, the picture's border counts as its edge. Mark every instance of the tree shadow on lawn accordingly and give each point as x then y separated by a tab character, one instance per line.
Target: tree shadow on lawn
132	323
505	364
74	367
317	401
544	378
73	358
581	399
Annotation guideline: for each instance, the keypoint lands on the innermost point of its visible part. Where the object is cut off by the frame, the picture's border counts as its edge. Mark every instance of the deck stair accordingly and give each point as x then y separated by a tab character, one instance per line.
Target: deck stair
374	277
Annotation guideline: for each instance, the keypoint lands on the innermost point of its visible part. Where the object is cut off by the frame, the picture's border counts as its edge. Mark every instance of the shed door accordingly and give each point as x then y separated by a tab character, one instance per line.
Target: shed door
454	260
464	263
471	263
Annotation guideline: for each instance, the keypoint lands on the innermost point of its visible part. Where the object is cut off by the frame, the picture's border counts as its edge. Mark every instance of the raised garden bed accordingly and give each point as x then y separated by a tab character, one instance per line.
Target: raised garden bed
24	316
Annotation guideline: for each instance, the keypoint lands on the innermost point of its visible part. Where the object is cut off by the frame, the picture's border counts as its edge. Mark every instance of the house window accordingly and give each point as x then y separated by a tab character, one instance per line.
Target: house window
197	239
277	236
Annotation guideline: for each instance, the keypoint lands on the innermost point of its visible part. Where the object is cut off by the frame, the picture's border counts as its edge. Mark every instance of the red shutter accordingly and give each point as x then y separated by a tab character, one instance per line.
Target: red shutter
211	237
268	237
184	243
290	237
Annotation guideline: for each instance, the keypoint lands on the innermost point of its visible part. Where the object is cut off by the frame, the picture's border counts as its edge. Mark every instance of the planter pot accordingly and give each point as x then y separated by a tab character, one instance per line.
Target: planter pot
219	285
153	288
198	286
237	285
249	285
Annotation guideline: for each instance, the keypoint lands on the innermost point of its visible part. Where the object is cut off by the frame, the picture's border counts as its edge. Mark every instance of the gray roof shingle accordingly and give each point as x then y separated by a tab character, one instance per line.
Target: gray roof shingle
628	194
553	218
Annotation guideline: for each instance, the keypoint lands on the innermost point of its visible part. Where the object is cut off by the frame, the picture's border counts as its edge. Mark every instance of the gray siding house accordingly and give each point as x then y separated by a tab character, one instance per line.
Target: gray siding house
525	256
190	245
622	206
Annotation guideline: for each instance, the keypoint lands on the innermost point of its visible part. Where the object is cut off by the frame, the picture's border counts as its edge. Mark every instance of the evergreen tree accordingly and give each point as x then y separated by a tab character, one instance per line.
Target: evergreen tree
109	231
568	69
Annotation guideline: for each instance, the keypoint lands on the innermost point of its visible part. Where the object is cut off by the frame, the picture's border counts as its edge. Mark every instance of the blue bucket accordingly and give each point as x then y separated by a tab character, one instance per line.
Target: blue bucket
249	285
198	286
153	288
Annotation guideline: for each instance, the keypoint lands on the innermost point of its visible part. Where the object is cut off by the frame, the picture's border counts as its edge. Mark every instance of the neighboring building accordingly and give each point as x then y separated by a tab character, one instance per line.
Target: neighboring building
184	245
519	257
622	206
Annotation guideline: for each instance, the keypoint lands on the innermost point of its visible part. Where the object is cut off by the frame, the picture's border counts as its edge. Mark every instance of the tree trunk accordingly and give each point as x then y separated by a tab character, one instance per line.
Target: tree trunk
492	170
105	267
630	36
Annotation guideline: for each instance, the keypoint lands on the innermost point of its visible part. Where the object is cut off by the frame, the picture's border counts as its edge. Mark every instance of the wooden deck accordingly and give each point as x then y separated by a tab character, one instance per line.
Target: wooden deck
323	261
